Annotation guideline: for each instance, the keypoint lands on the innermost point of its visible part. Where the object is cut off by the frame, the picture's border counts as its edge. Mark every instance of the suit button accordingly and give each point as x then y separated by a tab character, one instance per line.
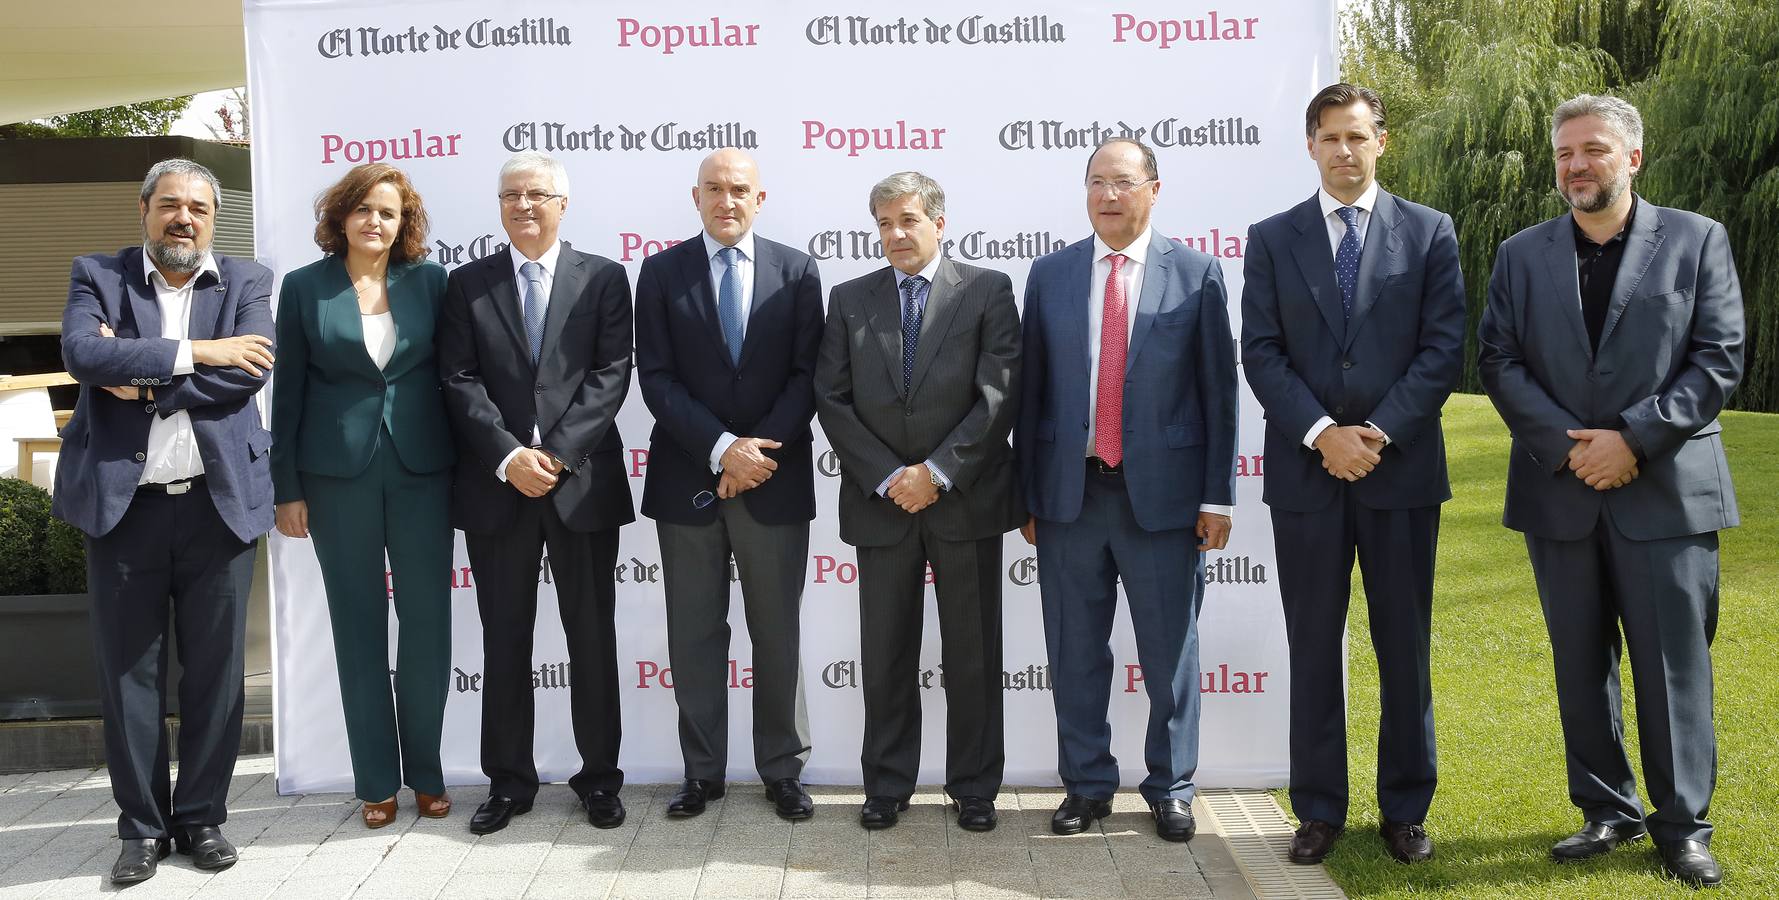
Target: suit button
141	457
538	389
1339	409
148	408
907	413
737	376
1346	364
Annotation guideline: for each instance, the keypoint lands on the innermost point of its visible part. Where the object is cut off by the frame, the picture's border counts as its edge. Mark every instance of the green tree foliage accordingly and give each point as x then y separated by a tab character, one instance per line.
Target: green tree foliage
1470	86
151	118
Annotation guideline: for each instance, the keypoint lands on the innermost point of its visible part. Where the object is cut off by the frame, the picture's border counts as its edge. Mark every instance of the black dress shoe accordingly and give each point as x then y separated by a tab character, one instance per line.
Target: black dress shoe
1407	841
605	810
880	812
692	797
975	814
1173	820
496	813
1078	812
1691	862
138	859
1313	841
1594	839
205	845
789	799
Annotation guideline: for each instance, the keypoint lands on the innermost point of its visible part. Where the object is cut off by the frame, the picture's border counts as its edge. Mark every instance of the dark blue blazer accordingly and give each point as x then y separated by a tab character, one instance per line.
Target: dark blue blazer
104	444
1392	362
1179	390
696	393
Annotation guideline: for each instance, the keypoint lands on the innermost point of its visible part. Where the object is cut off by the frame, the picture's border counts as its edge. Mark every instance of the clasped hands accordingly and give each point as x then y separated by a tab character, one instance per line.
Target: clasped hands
533	472
912	488
1601	458
250	353
746	466
1350	452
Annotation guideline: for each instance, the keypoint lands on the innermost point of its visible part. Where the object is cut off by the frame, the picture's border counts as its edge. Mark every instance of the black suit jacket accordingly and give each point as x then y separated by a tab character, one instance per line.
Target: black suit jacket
495	395
696	392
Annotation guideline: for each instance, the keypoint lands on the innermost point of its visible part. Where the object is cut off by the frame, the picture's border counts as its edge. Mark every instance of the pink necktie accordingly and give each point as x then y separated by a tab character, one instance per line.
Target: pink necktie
1108	419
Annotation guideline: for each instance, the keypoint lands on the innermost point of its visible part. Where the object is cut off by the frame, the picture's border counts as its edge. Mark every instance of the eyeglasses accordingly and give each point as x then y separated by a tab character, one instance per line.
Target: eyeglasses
536	198
1121	186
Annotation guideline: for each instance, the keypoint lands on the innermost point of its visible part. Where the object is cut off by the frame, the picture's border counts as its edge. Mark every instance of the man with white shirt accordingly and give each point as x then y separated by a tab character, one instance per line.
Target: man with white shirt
1127	435
534	352
164	467
1352	338
727	327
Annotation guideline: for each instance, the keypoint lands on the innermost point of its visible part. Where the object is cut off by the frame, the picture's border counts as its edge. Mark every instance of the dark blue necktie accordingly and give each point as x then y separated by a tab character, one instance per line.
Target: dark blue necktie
1346	259
911	288
729	302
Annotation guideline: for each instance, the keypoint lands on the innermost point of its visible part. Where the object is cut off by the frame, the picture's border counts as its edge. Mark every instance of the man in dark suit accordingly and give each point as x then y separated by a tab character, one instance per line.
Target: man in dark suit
534	350
1352	338
164	468
728	324
916	388
1127	434
1612	338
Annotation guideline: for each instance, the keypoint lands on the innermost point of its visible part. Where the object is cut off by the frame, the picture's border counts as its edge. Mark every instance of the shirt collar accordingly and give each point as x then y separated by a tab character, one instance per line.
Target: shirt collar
150	272
712	246
1137	252
1582	239
1367	201
548	260
930	271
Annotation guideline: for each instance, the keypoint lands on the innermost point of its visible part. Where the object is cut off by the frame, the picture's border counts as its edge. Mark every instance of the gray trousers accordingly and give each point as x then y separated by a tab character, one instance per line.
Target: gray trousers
771	561
1664	595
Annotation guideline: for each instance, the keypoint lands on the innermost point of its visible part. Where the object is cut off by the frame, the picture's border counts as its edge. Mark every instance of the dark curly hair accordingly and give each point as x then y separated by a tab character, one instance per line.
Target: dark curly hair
338	202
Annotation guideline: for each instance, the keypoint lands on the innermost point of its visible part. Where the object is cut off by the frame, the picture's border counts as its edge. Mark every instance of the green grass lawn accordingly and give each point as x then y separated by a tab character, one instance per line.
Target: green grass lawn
1502	798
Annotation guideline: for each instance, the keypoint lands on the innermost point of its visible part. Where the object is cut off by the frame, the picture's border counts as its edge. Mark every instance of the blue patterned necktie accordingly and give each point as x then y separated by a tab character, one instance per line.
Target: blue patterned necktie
729	301
911	308
535	303
1346	259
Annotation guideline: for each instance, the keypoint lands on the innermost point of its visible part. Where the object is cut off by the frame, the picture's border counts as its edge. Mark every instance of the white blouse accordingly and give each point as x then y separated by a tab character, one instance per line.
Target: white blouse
379	337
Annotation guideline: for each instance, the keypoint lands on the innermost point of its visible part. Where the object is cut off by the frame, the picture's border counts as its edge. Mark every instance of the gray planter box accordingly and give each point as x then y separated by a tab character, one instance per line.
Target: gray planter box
47	670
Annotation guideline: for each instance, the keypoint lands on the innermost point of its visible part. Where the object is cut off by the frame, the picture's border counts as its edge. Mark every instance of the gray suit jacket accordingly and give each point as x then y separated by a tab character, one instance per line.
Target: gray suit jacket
1670	354
958	411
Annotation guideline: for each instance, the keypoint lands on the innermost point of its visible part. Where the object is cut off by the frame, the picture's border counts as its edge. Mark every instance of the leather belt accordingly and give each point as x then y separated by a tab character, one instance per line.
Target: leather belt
174	488
1098	466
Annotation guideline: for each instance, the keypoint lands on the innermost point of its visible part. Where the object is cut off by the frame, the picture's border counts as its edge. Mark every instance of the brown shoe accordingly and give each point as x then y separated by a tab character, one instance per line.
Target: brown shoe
1407	841
377	815
1313	841
433	807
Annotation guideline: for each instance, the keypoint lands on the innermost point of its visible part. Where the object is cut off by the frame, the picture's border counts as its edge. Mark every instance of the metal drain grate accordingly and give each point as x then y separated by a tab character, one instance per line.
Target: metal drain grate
1259	836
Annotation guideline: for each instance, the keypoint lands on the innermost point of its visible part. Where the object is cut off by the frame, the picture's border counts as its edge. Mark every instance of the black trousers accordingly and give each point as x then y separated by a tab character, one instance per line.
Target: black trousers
170	554
507	572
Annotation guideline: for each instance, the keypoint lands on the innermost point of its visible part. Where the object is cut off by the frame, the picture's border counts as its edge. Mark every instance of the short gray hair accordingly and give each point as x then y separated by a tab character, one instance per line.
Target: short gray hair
532	161
901	184
1620	116
185	167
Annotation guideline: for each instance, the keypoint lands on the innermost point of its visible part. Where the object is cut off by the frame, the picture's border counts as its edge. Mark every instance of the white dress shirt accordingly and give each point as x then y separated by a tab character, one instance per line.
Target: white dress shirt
548	261
172	448
379	336
930	271
1337	231
1136	258
746	264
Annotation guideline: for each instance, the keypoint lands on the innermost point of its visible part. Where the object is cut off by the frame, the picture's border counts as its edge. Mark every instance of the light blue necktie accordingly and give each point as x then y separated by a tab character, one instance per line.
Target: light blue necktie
535	304
729	302
1346	259
911	309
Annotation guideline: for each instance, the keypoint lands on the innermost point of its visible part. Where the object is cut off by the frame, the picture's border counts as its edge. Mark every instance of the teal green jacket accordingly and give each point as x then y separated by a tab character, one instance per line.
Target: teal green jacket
329	399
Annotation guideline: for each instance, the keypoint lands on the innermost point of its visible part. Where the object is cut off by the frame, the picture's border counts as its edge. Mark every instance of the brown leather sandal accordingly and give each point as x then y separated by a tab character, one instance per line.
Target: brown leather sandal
377	815
433	807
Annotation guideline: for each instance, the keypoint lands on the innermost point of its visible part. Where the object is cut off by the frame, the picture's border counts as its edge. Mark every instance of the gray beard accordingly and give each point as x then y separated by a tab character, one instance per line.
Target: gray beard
175	258
1607	195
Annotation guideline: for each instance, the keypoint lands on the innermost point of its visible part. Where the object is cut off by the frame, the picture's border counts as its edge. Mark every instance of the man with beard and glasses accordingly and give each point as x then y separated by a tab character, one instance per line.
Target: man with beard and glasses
164	468
1612	337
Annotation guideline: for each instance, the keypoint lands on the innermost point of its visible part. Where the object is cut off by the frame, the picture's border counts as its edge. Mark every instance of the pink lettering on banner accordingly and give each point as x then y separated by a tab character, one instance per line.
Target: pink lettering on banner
668	38
1220	680
639	461
1165	33
634	245
854	141
827	567
419	145
651	674
1219	243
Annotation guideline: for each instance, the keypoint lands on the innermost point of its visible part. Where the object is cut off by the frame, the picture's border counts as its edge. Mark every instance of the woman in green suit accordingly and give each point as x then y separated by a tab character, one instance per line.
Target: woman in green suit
361	456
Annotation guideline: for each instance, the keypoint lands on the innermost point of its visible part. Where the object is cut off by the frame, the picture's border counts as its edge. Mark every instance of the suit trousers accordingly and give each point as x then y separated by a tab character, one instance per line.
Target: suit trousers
1395	549
892	593
1664	595
1080	564
353	523
770	561
506	566
170	550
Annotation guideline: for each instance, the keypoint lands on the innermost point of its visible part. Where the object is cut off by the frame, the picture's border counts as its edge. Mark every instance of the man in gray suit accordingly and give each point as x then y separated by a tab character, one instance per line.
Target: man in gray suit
1612	338
915	387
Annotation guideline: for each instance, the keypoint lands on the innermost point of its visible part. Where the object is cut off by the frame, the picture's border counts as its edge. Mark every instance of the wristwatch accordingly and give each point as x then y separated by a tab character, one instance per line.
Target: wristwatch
934	475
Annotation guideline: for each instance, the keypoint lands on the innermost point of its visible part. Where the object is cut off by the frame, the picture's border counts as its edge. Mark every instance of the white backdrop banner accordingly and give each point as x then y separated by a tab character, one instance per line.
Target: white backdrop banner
1001	101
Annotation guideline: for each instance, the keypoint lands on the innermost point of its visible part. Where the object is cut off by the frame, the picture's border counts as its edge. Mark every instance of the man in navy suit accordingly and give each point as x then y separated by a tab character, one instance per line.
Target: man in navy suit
1352	338
727	329
164	468
1126	445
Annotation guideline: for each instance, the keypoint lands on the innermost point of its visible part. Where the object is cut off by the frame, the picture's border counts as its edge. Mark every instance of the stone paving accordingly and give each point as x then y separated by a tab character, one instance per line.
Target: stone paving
57	839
